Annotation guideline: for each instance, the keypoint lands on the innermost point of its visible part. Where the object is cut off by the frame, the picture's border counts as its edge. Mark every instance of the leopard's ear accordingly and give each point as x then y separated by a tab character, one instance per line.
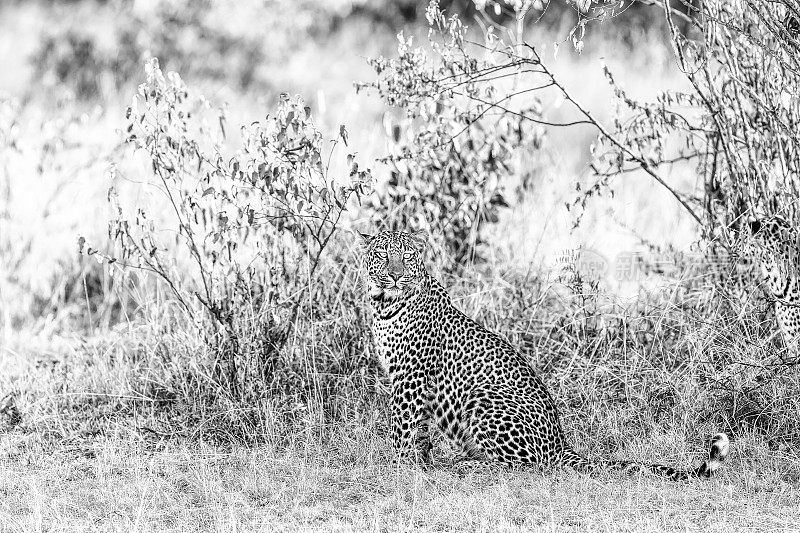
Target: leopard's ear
365	239
754	225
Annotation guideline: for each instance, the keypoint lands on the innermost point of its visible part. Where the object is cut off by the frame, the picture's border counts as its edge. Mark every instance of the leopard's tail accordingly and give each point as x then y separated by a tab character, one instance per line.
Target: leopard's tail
716	455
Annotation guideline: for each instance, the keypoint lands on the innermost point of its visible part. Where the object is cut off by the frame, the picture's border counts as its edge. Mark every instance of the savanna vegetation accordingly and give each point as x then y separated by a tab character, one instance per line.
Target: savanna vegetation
184	334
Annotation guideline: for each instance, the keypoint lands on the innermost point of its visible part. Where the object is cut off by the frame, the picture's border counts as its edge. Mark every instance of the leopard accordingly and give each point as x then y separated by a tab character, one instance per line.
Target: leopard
450	374
776	245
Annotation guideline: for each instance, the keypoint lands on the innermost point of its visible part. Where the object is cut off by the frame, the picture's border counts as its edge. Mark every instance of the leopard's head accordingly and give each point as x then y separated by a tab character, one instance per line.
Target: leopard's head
776	249
394	264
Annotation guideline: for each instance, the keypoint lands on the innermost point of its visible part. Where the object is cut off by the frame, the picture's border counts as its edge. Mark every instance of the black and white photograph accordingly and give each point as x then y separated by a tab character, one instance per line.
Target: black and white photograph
399	266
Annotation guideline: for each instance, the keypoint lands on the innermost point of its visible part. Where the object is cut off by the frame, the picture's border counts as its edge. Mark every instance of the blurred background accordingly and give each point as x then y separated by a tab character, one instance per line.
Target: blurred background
72	67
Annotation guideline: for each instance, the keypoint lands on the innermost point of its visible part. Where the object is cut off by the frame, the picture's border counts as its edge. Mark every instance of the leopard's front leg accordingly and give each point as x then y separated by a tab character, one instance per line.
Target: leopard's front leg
411	415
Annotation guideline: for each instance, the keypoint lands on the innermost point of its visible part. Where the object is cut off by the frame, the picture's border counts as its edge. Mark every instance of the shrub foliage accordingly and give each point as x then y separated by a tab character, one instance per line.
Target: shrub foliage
239	235
459	142
240	223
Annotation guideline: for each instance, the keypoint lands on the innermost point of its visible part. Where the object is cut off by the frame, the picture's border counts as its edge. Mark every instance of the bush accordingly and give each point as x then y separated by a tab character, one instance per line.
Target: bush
248	246
736	123
242	245
459	144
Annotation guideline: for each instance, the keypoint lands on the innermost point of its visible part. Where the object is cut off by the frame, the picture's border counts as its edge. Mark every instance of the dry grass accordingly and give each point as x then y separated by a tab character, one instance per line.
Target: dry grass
106	440
118	484
82	460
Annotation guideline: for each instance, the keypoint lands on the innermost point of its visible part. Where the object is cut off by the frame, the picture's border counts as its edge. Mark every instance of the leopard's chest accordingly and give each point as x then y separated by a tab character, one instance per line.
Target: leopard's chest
408	336
401	343
390	343
382	350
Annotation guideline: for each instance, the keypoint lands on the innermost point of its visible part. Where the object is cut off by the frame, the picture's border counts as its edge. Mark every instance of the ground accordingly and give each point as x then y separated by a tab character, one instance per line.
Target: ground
120	484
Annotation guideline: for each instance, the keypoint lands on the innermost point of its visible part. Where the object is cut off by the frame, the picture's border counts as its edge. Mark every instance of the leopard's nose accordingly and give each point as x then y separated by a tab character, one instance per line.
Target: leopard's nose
395	270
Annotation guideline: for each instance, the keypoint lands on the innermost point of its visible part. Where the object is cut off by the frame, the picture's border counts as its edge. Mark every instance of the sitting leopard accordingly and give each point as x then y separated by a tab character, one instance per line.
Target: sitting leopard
776	250
447	369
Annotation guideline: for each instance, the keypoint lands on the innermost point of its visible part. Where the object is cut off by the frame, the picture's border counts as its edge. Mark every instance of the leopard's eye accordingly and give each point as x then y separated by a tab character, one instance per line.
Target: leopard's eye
380	254
408	256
